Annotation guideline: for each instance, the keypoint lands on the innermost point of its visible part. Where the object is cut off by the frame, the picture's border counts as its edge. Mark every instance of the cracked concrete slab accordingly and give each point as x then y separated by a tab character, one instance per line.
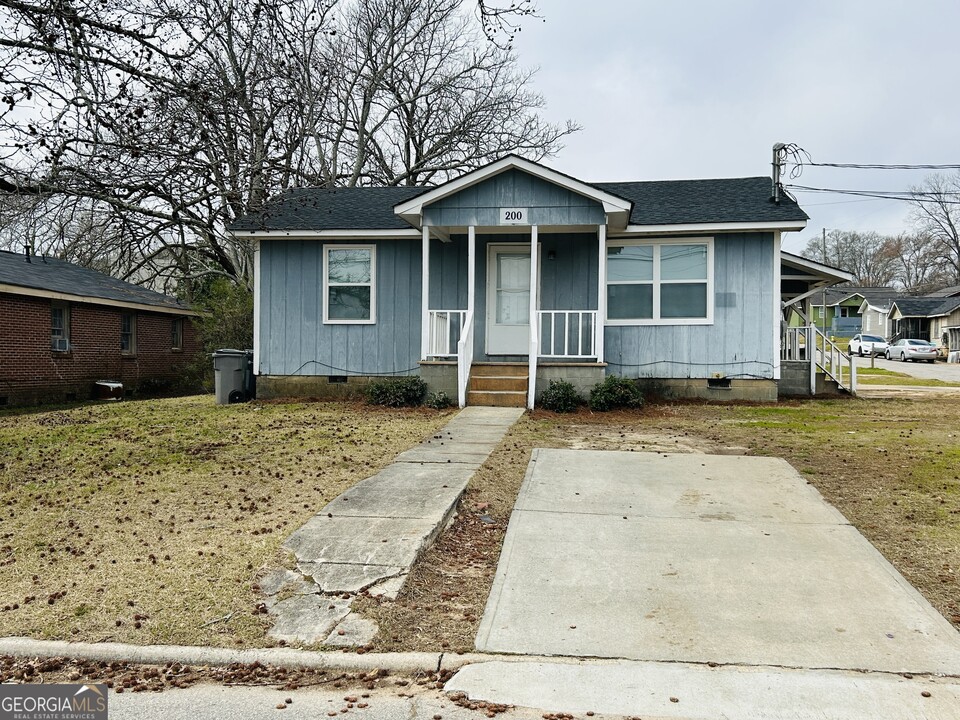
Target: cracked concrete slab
361	540
387	494
276	580
388	589
347	577
352	631
306	619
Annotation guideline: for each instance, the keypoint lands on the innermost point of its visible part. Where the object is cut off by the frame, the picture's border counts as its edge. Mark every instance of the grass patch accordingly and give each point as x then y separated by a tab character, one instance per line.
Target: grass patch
141	521
904	380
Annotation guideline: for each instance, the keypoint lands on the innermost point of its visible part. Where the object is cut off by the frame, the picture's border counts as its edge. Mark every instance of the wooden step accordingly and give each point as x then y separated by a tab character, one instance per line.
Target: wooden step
497	398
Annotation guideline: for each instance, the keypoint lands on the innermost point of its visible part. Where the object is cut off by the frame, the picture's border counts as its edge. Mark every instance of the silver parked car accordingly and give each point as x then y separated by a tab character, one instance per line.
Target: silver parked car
906	349
867	345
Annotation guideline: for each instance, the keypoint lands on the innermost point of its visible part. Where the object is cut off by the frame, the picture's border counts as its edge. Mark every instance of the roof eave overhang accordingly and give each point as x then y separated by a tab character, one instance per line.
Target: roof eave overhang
616	208
93	300
722	227
343	234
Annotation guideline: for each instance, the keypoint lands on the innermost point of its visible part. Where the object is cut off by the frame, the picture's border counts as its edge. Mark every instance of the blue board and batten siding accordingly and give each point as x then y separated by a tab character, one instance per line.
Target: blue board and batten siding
739	343
294	340
293	337
479	205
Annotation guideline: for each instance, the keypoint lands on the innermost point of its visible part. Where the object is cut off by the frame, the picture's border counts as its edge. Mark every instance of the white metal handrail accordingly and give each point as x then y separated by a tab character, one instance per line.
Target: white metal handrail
446	330
464	357
808	343
567	333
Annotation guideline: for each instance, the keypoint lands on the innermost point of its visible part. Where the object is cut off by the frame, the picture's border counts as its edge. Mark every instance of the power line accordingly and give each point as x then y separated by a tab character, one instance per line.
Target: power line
905	195
879	166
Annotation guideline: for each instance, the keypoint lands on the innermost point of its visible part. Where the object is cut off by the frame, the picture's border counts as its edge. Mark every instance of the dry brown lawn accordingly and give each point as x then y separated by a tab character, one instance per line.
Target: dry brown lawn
148	522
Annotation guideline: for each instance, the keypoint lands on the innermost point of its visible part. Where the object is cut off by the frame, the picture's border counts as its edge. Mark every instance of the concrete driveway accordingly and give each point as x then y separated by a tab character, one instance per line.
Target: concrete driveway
702	562
700	558
927	371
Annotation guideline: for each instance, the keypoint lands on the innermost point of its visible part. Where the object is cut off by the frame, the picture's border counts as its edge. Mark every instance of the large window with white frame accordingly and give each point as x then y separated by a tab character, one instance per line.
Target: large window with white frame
350	291
660	282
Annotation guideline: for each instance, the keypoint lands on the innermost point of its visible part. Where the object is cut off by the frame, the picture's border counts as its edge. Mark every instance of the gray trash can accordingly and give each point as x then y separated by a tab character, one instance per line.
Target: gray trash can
230	376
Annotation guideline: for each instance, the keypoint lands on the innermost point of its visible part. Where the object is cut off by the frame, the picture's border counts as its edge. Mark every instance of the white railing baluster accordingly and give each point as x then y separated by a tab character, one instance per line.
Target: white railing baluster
575	325
446	327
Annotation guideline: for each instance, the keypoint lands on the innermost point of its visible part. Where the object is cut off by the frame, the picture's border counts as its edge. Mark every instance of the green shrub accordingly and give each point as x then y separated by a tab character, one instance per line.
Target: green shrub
397	392
438	400
561	397
615	392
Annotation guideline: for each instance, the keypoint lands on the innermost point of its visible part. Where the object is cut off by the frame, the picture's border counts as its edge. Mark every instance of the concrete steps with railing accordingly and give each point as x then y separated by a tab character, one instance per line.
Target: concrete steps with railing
498	384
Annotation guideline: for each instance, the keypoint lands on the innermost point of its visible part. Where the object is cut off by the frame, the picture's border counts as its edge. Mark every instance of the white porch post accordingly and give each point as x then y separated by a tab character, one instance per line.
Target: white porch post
471	266
601	290
257	280
534	325
425	295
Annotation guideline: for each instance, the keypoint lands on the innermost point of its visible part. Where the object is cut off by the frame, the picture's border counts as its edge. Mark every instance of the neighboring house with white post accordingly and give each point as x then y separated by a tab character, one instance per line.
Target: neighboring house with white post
515	271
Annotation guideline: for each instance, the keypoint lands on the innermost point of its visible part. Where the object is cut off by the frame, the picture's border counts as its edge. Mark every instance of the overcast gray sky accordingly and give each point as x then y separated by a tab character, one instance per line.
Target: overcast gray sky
703	88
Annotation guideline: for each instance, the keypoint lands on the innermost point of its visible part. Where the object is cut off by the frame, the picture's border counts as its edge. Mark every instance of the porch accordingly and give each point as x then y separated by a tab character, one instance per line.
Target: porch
503	305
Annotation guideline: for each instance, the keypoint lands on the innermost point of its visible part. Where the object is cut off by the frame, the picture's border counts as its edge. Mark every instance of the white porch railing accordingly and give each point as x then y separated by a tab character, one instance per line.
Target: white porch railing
567	333
811	345
445	332
464	356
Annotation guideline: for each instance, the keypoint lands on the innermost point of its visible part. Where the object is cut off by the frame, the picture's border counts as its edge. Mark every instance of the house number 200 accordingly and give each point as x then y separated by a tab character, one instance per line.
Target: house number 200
513	216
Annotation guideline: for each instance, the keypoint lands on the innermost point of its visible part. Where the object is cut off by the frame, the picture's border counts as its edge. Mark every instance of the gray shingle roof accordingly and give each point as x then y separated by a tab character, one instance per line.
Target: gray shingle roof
923	306
353	208
667	202
673	202
62	277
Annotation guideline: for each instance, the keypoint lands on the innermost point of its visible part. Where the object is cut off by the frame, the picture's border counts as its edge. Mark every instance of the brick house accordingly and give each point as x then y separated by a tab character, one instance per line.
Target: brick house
65	327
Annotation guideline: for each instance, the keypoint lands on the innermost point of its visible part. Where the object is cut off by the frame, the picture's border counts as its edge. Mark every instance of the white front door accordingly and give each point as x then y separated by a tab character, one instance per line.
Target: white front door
508	299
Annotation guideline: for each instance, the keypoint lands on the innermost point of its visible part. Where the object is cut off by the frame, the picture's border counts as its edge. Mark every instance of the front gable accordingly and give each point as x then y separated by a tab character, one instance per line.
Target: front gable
545	203
551	199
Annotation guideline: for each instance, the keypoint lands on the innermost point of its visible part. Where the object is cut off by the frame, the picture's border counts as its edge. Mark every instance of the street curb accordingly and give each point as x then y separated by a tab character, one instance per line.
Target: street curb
407	662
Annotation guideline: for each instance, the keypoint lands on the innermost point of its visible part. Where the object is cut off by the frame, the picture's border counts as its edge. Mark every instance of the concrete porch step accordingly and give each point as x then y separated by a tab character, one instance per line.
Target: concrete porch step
497	398
509	369
482	383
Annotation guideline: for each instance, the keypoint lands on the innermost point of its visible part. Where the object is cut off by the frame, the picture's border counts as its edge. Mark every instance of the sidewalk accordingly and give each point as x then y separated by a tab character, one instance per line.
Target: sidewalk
368	538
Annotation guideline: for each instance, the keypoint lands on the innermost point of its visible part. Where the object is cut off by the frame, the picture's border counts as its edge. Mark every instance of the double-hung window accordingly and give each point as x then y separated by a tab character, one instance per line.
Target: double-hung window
128	333
176	334
350	293
660	282
59	326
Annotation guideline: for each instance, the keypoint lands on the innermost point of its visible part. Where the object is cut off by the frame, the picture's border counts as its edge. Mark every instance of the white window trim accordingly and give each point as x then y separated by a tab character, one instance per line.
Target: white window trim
657	282
65	307
327	320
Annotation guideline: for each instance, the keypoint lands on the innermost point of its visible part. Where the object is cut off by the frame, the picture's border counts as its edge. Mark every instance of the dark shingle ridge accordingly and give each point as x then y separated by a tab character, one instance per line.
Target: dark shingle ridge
657	202
53	275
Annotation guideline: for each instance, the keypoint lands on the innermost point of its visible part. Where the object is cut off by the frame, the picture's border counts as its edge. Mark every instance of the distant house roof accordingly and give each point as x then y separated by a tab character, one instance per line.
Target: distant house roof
952	291
877	296
49	277
925	307
666	202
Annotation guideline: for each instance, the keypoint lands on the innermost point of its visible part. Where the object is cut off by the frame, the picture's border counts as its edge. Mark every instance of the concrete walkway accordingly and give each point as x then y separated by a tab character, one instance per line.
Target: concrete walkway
370	536
689	564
